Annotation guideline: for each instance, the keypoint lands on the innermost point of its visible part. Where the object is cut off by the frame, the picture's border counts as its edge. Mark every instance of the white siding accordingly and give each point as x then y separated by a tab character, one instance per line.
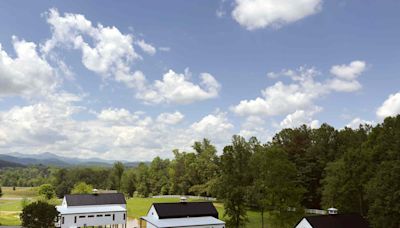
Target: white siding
304	224
64	202
69	220
153	213
149	225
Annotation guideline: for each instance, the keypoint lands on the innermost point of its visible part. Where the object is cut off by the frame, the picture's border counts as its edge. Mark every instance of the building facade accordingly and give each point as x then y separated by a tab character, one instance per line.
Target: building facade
83	210
183	214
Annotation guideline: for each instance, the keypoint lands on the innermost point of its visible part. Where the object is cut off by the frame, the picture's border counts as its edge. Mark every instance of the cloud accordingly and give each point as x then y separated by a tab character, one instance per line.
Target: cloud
117	116
214	126
165	49
170	118
344	85
255	126
105	50
356	122
350	71
110	53
146	47
28	74
257	14
346	75
38	125
300	117
111	133
390	107
300	94
281	99
176	88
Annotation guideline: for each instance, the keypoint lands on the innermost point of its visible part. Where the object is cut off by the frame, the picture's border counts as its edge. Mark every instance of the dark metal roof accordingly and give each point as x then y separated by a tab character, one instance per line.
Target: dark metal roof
95	199
337	221
189	209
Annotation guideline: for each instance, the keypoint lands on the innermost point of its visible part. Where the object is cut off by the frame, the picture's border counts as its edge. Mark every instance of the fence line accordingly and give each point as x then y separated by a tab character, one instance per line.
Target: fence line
315	211
187	196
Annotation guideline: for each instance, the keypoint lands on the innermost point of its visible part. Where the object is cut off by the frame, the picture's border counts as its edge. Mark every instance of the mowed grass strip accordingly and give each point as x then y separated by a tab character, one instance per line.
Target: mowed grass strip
10	218
10	205
19	192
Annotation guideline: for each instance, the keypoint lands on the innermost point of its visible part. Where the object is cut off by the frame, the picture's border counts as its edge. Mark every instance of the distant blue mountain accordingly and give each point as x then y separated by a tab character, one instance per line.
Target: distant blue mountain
5	164
50	159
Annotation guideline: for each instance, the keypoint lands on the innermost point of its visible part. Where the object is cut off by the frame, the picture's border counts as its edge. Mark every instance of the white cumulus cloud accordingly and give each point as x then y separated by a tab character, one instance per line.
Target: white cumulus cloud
256	14
300	117
350	71
170	118
390	107
300	94
346	76
283	98
176	88
28	74
104	49
356	122
146	47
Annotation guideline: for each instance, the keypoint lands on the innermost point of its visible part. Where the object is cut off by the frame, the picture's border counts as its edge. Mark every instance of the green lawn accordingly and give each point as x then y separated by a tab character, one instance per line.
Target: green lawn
10	205
10	218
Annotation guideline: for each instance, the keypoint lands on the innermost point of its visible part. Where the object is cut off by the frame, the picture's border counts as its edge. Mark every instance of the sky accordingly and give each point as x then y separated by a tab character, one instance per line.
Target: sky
132	80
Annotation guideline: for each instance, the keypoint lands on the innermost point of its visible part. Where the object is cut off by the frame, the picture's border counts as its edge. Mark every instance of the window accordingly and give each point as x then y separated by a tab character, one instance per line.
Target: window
75	219
113	217
90	216
62	220
99	215
82	216
124	216
107	215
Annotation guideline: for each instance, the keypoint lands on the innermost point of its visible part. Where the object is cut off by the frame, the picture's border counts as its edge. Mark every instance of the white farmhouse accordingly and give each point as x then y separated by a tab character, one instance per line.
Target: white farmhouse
183	214
83	210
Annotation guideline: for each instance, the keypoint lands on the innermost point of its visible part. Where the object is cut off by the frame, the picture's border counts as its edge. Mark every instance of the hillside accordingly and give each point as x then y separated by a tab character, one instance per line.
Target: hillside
50	159
5	164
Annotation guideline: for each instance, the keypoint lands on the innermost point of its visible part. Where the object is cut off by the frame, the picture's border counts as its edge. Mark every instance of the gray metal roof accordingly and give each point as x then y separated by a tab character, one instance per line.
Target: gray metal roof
95	199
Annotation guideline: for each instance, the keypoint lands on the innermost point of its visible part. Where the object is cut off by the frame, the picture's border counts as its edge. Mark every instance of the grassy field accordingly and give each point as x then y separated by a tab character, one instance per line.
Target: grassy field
19	192
11	206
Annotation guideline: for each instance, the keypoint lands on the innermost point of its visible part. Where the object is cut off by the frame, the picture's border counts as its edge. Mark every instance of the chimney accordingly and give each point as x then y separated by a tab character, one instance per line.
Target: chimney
332	211
183	199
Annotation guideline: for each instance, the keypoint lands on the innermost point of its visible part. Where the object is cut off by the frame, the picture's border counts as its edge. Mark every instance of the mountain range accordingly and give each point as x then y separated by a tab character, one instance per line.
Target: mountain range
17	159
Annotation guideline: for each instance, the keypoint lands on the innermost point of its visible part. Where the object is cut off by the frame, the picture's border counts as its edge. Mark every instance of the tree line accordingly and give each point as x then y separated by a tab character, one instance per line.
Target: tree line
354	170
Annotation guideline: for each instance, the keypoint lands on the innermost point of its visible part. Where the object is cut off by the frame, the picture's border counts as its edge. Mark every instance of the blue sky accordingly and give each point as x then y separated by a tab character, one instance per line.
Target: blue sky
132	80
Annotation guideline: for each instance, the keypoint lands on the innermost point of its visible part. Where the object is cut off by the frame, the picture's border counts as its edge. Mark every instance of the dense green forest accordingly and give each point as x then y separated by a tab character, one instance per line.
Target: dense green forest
354	170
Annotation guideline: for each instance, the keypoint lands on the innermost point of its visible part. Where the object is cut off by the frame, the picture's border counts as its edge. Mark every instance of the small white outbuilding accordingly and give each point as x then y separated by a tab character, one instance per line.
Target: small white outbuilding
183	214
83	210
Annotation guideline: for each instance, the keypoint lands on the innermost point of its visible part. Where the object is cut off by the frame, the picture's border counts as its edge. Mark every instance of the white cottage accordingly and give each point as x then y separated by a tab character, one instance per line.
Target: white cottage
183	214
83	210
